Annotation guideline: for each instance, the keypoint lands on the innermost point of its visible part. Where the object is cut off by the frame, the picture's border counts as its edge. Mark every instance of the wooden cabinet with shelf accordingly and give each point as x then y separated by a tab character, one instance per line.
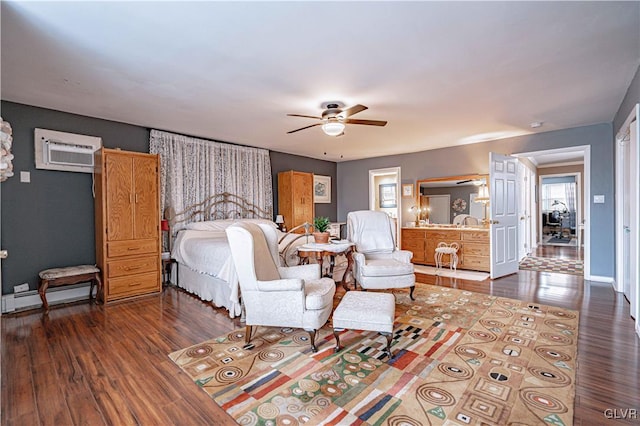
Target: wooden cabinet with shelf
127	218
295	198
473	252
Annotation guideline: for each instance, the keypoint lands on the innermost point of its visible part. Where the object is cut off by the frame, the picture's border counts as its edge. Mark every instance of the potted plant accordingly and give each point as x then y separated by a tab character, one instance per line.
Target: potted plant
320	226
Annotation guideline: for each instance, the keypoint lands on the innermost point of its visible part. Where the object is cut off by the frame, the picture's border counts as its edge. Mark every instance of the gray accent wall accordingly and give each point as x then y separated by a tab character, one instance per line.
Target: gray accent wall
50	222
469	159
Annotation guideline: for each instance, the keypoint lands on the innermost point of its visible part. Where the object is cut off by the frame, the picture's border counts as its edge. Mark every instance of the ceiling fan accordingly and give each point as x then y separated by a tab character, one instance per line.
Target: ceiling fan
334	118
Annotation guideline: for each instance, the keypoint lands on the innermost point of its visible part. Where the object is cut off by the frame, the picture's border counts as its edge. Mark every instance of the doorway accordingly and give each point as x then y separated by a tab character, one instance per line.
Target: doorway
574	161
560	209
384	194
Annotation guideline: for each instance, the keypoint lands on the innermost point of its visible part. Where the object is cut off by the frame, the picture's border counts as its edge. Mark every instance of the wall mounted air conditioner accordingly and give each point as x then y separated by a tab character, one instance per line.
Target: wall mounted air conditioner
65	151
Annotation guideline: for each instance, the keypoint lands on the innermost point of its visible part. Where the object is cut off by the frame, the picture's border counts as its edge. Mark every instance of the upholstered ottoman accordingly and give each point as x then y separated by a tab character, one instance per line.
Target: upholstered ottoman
361	310
56	277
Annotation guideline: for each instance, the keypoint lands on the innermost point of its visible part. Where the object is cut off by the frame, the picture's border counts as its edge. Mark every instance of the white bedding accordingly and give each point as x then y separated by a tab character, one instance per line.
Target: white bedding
208	252
205	250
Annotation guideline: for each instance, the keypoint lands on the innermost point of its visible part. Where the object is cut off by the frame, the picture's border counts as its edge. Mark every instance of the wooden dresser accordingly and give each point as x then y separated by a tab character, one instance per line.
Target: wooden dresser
295	198
127	210
474	252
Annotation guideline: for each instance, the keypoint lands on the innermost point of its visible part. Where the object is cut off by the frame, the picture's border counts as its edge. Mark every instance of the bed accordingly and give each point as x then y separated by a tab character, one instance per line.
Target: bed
202	252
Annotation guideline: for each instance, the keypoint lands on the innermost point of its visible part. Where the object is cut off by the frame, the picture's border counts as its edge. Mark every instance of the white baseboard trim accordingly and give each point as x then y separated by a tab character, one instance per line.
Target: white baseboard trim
600	279
31	299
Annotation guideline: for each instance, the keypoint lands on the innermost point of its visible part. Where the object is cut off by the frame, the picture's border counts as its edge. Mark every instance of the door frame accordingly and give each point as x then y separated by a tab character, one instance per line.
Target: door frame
619	194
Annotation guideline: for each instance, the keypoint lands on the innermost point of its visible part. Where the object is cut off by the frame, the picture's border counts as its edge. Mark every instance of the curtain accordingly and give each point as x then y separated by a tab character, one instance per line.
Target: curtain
192	170
570	196
546	197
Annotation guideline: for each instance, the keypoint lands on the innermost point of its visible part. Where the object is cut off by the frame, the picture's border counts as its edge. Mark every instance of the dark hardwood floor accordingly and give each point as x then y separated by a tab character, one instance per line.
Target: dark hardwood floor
93	364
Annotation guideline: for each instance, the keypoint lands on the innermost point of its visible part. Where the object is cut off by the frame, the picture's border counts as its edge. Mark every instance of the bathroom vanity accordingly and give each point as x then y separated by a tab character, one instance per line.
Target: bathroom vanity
473	242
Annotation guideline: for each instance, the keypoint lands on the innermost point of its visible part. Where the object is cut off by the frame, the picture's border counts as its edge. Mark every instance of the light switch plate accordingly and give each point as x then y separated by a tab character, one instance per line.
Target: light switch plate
598	199
25	177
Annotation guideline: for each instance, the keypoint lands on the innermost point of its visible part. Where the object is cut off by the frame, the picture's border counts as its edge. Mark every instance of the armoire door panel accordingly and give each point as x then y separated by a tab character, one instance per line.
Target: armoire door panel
146	197
119	203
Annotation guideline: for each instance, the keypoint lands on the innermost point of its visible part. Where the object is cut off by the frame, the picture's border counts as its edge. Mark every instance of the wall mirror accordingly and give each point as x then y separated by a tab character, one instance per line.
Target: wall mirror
452	200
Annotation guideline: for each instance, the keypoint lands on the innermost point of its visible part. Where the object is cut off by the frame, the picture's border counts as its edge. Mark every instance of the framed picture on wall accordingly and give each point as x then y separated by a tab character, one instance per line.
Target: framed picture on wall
321	189
388	195
407	190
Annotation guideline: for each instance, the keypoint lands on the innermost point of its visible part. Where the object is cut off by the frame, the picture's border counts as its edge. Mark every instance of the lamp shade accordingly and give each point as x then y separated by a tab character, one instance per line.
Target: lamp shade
279	219
164	225
483	194
333	128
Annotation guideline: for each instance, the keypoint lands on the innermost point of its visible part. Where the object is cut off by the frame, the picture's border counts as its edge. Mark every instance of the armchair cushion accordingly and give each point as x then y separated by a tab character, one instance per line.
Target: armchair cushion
403	256
388	267
319	293
281	285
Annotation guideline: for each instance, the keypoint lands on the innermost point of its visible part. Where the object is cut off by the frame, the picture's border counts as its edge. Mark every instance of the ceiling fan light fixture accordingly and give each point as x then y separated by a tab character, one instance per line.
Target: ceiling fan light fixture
333	128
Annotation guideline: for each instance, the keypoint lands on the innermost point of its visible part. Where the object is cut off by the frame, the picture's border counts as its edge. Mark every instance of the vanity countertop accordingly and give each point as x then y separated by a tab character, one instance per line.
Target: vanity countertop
451	228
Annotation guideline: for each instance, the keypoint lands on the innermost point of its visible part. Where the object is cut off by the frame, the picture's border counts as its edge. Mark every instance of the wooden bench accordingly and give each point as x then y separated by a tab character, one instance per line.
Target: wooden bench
57	277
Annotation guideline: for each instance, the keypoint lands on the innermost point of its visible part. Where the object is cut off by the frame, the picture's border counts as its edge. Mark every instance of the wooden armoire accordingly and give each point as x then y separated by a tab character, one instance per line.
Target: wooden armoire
295	198
127	210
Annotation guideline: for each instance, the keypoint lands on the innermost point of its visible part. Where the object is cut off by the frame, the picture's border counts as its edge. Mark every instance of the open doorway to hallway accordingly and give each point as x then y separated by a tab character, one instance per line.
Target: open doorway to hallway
560	207
385	196
558	210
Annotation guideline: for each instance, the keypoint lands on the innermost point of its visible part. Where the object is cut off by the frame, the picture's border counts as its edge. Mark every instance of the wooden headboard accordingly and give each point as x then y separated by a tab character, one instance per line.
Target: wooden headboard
219	206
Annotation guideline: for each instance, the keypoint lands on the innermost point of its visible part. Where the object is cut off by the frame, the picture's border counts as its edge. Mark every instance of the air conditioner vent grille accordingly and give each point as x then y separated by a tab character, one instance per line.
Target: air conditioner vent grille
65	151
71	158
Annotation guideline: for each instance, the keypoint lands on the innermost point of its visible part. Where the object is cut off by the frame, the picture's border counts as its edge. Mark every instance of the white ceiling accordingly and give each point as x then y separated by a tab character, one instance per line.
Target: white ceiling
441	73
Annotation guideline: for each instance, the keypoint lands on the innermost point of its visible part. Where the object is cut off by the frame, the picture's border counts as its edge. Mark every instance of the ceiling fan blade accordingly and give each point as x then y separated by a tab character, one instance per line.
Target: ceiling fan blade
346	113
306	127
366	122
305	116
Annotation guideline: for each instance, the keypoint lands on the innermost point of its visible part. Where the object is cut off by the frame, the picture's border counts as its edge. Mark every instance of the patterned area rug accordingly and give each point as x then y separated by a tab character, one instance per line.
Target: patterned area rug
546	264
458	358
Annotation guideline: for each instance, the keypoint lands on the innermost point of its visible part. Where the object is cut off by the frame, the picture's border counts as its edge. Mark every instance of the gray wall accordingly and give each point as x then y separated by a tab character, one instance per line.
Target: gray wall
282	162
630	100
49	222
468	159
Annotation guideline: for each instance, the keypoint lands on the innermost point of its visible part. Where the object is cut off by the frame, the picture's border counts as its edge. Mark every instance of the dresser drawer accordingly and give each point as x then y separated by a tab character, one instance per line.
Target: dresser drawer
133	285
479	263
479	236
132	247
119	268
446	236
476	249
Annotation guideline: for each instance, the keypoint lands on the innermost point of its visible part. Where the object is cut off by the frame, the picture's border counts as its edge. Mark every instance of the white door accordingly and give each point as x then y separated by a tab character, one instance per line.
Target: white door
503	175
532	210
634	222
626	222
522	211
628	212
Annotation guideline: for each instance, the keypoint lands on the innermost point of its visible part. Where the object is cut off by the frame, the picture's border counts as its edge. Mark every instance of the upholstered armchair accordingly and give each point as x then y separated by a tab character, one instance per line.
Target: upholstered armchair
378	264
273	295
